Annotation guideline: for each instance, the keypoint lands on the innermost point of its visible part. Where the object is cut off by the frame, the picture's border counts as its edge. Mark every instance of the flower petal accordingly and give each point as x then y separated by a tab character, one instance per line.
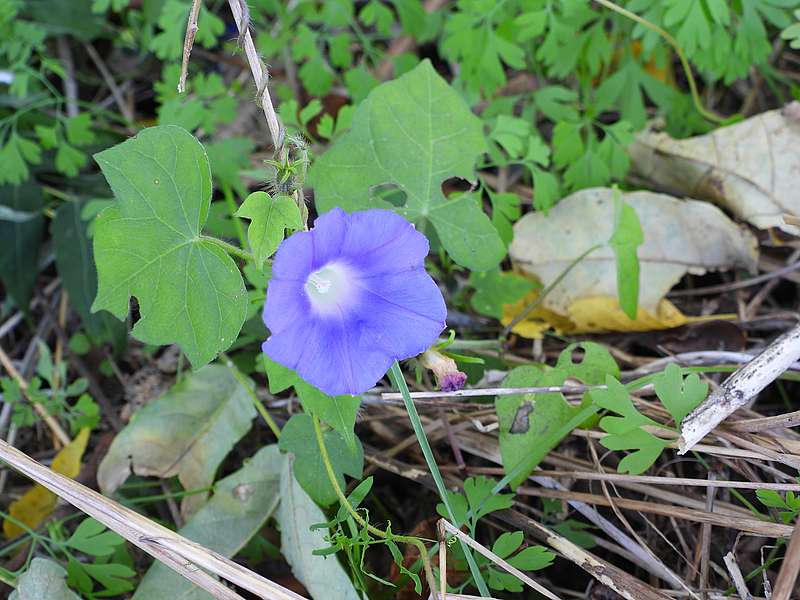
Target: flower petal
287	303
381	241
328	235
381	304
332	358
293	260
402	313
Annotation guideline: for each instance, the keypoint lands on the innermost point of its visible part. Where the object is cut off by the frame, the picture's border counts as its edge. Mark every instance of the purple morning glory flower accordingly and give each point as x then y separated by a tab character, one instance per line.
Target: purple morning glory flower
349	297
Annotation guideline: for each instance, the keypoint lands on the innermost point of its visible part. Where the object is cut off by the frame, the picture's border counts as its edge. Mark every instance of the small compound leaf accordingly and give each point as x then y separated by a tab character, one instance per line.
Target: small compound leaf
680	396
507	543
647	448
625	432
186	432
532	558
92	537
149	245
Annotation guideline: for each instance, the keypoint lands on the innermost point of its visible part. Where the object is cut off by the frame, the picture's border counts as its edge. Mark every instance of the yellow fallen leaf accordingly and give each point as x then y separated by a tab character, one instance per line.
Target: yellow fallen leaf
538	321
603	313
591	315
38	502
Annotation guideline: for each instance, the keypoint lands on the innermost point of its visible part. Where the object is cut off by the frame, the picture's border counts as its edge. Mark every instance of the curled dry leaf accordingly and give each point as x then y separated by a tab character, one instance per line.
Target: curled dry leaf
680	236
749	168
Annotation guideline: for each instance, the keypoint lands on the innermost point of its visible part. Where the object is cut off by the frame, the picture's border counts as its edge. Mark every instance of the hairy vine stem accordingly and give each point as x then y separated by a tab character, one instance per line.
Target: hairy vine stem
407	539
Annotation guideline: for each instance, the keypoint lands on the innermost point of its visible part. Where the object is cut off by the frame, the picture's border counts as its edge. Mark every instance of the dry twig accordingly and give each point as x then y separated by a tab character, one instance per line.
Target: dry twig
178	553
188	42
740	388
54	425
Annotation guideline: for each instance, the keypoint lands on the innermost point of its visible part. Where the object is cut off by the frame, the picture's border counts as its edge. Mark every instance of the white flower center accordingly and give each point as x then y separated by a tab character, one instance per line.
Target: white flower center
328	287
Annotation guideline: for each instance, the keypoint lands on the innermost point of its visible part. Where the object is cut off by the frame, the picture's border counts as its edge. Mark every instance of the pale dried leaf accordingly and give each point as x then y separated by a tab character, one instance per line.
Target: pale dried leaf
749	168
680	236
241	504
322	576
45	579
186	432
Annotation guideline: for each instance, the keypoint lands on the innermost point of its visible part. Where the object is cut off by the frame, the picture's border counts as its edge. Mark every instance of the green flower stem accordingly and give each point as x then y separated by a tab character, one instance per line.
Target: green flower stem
259	406
229	248
687	69
326	460
397	378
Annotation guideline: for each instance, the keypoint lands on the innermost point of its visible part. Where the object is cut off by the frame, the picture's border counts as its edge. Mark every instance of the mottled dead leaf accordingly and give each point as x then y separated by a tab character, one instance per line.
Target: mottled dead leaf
186	432
749	168
680	236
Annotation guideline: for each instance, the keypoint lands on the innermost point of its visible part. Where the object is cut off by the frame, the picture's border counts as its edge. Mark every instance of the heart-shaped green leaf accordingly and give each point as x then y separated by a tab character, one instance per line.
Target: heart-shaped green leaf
149	245
414	132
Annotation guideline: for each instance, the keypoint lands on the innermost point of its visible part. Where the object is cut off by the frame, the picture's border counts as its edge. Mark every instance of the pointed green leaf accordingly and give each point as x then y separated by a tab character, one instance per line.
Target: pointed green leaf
299	438
75	262
280	378
149	245
528	422
20	240
413	132
627	238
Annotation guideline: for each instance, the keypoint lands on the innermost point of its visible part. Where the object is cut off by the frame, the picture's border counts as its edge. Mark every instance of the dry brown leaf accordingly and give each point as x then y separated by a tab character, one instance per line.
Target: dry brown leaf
680	236
749	168
38	502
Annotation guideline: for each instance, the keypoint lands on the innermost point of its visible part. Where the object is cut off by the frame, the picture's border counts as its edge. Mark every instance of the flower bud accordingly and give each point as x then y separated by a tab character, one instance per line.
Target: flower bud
448	377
